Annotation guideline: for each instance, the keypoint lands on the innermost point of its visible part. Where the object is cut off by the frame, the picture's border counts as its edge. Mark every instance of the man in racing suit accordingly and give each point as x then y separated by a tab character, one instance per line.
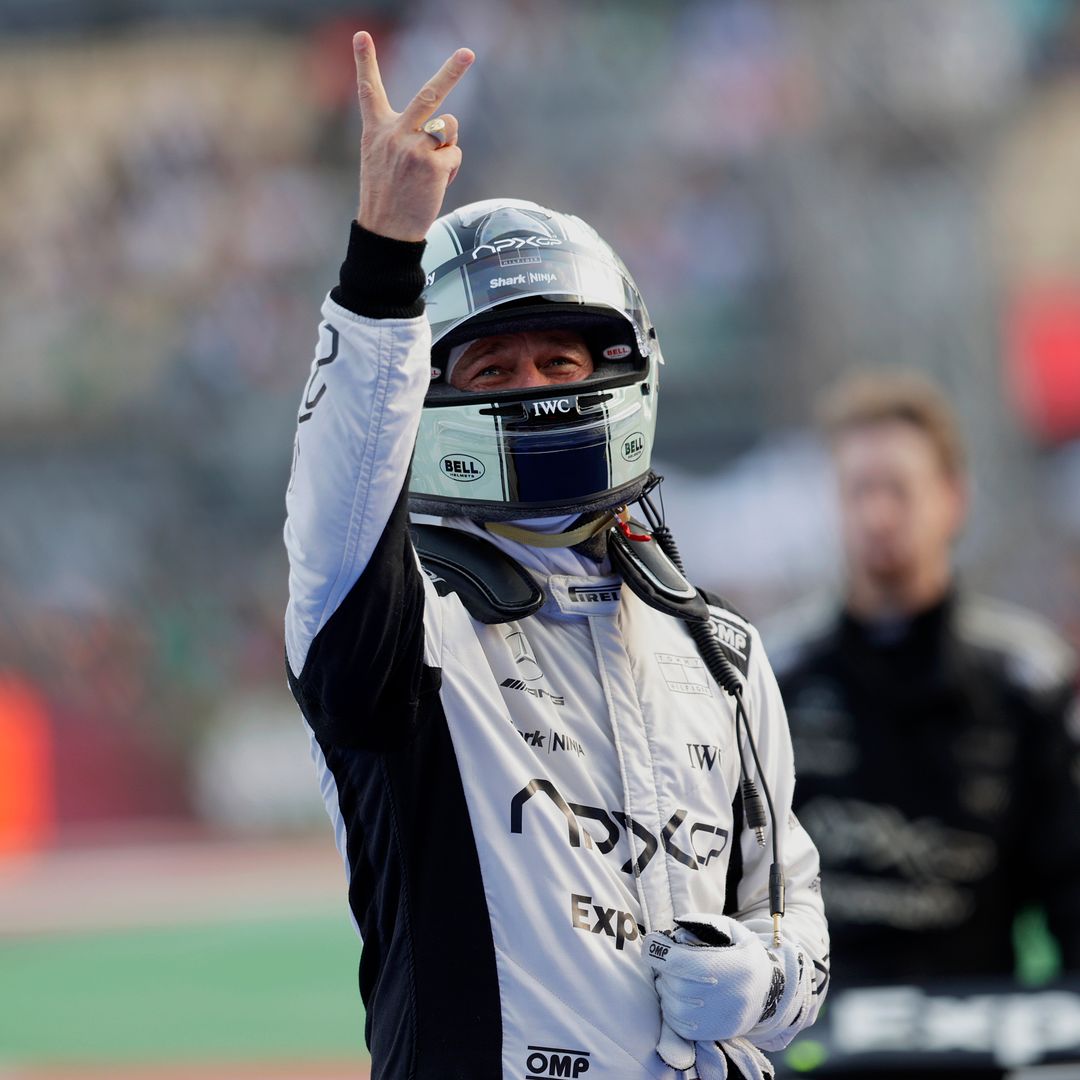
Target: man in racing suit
937	772
533	776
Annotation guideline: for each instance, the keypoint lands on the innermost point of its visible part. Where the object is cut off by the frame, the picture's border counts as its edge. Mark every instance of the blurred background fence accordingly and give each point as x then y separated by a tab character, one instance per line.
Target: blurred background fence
799	187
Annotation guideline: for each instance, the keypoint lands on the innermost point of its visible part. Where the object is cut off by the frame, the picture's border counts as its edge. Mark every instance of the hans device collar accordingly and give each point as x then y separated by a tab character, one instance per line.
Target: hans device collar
496	588
493	587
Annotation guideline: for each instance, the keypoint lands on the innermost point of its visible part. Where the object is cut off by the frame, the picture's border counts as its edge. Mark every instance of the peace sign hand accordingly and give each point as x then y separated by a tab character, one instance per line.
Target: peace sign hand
404	173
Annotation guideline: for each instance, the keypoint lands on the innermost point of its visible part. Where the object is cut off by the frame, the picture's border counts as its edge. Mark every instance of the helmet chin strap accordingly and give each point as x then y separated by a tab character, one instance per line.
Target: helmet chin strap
570	538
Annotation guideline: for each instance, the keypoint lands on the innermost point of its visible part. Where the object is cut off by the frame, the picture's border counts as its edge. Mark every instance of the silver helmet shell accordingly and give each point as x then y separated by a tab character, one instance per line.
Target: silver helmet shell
510	266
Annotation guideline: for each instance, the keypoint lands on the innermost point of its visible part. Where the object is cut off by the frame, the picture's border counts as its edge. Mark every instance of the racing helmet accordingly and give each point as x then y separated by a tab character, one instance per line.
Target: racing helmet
504	266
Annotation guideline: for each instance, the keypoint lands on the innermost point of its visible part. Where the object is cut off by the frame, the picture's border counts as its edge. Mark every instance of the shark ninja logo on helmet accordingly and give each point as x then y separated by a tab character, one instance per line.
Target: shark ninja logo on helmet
505	266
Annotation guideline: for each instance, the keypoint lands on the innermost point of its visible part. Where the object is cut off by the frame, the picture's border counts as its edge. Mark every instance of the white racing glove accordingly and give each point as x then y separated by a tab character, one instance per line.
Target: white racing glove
712	1058
717	981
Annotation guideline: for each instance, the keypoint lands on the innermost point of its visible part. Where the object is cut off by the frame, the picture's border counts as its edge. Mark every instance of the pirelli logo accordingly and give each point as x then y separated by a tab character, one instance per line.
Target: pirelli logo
594	594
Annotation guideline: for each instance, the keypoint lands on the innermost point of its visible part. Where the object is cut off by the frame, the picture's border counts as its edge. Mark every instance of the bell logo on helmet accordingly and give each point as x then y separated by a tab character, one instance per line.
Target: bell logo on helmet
617	352
461	467
633	446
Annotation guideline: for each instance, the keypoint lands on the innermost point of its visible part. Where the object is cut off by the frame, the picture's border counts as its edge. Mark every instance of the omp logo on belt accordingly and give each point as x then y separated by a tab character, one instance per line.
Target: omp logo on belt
543	1062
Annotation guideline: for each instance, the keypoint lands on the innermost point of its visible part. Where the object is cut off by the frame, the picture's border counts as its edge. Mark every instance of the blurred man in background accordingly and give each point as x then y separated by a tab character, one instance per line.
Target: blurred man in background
936	769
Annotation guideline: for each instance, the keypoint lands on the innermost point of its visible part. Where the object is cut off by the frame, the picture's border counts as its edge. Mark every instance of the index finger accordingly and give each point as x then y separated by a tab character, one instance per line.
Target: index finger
434	92
369	84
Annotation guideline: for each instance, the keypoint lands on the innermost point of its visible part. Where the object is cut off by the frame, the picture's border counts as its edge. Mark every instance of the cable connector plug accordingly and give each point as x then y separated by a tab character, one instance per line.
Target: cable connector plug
776	900
755	809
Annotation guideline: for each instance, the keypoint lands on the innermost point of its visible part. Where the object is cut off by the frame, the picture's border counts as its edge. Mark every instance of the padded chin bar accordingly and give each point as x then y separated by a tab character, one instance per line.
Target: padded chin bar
493	587
496	588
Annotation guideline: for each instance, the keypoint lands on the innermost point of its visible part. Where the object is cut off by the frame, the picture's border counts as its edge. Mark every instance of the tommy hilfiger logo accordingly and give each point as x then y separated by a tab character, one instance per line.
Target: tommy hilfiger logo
702	756
684	674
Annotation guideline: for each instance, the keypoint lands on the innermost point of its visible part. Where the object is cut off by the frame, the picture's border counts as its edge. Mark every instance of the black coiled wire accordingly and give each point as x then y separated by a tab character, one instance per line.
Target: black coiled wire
723	671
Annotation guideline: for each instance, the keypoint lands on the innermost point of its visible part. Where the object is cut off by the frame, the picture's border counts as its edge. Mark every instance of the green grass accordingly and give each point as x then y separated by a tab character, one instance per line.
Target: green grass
231	991
1038	957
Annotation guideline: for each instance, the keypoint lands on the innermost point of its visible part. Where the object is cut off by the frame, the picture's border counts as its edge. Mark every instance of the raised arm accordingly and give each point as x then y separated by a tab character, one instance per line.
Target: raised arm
353	627
404	172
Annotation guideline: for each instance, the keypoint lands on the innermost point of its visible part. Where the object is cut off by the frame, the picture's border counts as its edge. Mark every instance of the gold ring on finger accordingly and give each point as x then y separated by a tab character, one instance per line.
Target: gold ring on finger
436	128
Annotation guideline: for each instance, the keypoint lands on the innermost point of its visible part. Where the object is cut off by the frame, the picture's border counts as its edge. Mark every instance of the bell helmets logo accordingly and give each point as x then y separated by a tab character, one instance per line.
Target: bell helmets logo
633	446
461	467
617	352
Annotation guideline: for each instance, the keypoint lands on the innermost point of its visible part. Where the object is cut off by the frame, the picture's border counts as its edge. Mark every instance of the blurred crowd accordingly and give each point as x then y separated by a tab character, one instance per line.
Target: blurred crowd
798	188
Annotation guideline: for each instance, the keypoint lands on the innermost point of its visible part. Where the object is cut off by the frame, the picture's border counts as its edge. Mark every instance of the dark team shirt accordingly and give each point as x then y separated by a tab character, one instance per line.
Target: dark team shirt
938	771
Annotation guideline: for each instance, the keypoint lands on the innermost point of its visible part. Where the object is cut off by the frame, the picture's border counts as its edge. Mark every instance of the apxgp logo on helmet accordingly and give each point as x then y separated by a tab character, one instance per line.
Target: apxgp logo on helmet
515	250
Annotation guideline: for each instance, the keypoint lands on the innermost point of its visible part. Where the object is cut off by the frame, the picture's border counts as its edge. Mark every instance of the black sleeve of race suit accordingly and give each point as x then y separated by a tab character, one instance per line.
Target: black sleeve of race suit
1051	834
381	278
364	676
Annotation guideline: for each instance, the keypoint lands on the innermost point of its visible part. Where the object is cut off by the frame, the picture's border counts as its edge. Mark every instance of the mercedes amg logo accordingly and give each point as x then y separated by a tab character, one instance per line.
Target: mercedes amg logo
527	668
